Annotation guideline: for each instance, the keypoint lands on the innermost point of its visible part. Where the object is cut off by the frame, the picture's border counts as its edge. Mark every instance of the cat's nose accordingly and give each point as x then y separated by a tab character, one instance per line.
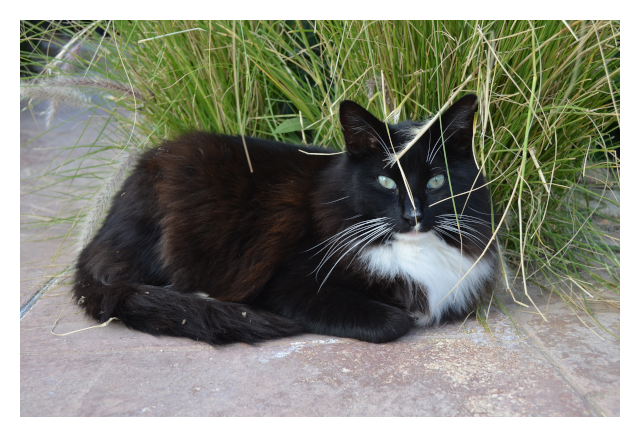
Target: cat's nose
409	213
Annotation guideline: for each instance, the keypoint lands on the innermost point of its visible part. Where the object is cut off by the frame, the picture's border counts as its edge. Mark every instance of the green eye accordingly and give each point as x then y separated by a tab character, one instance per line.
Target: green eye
436	181
386	182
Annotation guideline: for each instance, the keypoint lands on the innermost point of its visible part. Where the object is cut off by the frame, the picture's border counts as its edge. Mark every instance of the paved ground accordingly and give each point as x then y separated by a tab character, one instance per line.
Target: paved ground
557	368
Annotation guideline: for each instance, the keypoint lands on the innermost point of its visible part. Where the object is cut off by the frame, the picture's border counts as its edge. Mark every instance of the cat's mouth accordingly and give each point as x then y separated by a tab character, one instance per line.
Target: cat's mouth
413	234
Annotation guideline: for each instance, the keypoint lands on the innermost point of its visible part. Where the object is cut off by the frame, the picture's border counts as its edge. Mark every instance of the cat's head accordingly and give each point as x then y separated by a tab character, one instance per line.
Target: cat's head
372	185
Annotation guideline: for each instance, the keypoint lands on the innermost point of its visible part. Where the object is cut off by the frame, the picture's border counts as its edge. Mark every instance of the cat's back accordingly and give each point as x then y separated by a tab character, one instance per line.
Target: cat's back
213	210
204	174
199	171
202	155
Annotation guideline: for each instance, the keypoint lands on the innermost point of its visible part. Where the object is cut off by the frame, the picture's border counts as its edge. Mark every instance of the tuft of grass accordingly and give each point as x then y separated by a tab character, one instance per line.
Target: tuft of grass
549	95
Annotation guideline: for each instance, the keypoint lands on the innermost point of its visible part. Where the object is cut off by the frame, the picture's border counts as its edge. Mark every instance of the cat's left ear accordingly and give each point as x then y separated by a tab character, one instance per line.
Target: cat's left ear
457	121
362	131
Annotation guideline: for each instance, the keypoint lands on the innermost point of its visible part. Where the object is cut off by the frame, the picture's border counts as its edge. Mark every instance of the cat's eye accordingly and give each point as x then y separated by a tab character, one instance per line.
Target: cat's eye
387	182
435	181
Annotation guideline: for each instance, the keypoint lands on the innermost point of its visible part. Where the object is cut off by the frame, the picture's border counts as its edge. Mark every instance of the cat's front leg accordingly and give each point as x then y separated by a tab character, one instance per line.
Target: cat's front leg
340	312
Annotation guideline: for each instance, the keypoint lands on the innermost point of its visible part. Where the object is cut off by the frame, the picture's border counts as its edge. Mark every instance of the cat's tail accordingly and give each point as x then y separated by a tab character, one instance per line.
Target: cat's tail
162	311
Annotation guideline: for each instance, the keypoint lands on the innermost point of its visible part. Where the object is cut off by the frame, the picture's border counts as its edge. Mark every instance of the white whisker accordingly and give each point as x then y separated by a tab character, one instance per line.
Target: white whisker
387	230
342	232
376	233
485	213
337	200
465	219
460	232
337	243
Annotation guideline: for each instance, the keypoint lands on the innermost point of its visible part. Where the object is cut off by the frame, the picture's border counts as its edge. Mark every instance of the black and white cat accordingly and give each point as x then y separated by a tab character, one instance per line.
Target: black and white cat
197	246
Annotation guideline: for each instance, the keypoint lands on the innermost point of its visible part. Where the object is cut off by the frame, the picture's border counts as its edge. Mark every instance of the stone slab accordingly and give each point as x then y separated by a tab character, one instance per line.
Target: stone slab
583	352
448	371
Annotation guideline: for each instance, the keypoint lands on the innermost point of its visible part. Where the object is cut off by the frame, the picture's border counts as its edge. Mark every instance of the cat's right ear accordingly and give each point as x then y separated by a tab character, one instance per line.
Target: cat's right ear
363	132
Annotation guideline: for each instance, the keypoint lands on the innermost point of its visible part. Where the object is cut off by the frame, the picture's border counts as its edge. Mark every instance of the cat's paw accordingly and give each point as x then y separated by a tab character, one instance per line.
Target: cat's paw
386	323
370	321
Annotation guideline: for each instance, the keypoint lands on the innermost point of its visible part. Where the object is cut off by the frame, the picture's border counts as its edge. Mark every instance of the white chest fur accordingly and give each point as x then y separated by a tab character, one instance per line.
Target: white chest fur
434	266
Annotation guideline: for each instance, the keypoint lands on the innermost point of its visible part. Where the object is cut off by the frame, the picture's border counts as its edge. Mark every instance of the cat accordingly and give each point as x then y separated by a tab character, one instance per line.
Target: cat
195	245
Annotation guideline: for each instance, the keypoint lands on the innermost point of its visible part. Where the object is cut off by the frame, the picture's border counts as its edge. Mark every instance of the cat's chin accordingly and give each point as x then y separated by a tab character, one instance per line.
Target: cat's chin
412	236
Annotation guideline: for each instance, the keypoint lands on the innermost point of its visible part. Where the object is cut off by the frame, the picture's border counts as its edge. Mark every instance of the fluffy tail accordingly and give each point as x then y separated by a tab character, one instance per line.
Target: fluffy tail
162	311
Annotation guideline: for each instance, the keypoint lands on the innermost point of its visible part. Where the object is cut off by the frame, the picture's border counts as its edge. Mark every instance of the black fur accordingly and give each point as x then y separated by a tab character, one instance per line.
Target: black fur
192	219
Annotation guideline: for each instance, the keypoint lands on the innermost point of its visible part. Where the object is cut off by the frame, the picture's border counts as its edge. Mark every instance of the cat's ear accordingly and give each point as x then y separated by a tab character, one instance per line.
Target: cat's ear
457	121
362	131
